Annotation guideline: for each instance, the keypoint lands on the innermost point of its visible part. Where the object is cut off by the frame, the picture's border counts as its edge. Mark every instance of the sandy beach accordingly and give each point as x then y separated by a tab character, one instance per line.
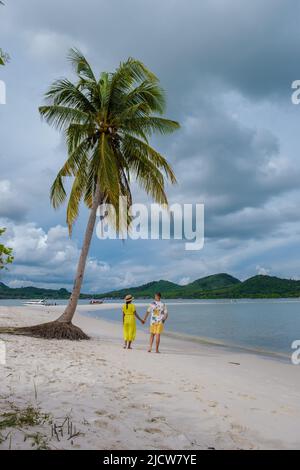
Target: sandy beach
95	395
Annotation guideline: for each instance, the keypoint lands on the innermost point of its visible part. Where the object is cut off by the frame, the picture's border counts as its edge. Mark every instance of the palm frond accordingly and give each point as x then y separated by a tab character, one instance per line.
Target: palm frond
58	193
135	149
150	125
77	133
75	198
130	72
81	65
148	92
107	124
62	92
62	116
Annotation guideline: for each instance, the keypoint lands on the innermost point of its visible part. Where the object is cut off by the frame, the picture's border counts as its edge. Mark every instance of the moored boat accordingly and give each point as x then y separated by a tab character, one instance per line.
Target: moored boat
36	302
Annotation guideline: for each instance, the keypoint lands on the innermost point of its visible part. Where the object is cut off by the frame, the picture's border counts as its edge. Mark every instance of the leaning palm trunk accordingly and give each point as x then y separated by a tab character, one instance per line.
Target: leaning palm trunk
69	312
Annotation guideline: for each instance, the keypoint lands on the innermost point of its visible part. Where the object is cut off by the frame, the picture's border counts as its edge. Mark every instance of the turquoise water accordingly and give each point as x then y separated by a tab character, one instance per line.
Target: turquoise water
260	325
257	325
19	303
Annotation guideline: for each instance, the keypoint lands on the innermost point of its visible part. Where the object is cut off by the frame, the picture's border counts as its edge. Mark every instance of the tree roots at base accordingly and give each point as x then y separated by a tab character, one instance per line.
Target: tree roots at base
51	330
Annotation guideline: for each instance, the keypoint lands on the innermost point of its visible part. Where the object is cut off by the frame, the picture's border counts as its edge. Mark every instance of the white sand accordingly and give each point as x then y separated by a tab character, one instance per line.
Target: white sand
188	397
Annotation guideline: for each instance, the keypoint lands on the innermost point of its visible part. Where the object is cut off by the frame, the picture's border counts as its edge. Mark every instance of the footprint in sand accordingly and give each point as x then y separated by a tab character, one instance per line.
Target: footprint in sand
82	385
134	406
238	427
212	404
156	419
102	361
106	424
199	398
162	394
153	430
248	397
108	415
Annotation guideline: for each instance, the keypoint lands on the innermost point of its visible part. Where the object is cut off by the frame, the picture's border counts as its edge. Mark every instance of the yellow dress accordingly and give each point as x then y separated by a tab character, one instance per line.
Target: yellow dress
129	327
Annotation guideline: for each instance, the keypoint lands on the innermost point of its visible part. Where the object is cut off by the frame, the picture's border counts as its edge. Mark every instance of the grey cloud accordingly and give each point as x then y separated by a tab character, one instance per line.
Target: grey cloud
11	204
229	166
251	46
48	256
201	52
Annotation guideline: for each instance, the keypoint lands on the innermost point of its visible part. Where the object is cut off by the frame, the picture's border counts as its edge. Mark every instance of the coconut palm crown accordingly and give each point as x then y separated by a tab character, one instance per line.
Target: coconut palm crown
107	123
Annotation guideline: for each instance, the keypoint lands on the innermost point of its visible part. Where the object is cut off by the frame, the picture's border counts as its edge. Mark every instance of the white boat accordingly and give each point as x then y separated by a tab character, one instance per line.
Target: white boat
36	302
93	301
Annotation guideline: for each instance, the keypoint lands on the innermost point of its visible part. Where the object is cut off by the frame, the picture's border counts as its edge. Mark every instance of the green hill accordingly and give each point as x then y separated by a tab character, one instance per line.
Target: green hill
216	286
146	290
265	286
210	287
32	293
171	290
207	284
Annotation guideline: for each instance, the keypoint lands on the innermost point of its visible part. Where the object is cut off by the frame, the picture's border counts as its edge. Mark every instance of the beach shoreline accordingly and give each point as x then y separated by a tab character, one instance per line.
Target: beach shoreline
191	396
187	338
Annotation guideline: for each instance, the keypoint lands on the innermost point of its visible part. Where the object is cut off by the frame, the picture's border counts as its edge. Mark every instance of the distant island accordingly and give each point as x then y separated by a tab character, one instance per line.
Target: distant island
216	286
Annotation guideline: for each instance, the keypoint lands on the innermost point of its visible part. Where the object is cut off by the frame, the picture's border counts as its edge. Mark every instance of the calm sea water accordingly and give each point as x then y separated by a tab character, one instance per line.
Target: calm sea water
258	325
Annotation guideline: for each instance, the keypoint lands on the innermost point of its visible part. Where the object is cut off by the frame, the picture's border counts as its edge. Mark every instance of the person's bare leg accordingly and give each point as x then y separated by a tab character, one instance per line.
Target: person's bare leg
125	345
157	343
129	345
151	342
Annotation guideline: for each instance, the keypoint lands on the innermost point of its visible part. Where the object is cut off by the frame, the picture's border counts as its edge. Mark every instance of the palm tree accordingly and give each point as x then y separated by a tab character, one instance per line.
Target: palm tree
3	56
107	123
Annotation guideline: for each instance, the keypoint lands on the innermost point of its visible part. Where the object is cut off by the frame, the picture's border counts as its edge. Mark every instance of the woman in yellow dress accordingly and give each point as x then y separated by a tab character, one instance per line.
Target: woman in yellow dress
129	324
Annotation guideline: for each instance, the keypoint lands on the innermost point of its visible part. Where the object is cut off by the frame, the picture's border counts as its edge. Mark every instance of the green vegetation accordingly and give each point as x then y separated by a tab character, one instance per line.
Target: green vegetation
264	286
6	256
32	293
146	290
24	420
222	286
209	283
4	57
196	289
29	416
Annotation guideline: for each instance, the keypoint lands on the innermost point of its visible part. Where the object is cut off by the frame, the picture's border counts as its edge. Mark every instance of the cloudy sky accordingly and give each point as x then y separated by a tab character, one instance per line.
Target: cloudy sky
227	67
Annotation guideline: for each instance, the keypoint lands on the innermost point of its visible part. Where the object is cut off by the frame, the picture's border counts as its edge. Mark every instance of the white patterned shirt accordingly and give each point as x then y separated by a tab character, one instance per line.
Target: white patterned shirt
158	312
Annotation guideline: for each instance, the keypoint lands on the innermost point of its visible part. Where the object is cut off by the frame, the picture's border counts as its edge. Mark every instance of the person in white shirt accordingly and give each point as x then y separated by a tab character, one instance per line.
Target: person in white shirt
158	315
